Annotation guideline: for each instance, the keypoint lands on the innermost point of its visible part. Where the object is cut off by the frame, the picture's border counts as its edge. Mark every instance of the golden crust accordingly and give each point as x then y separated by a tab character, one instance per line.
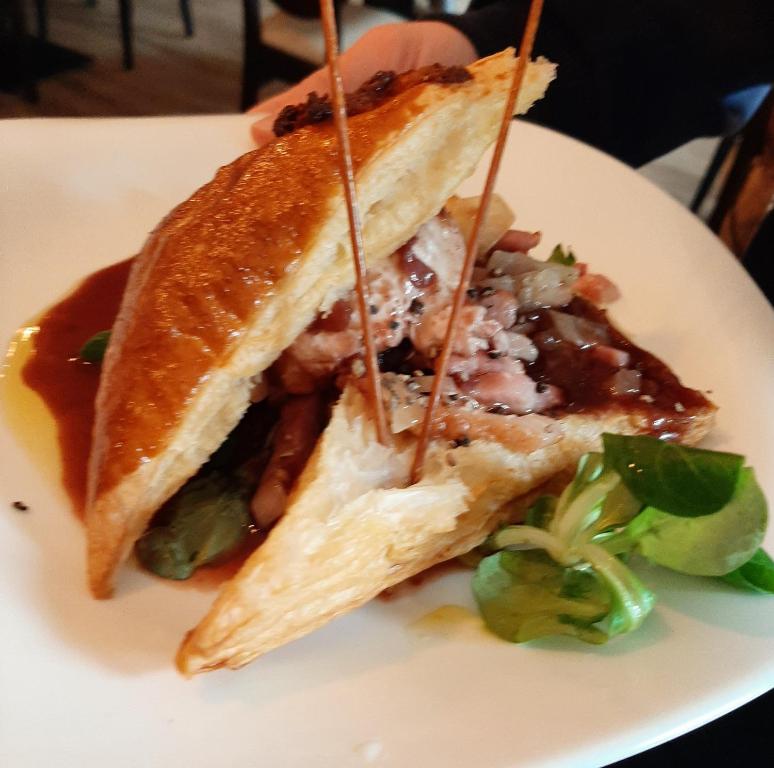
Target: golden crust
234	274
353	529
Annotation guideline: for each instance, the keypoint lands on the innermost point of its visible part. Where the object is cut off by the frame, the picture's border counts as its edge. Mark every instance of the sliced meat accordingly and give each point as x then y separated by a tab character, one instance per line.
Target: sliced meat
320	354
596	288
473	331
511	389
517	241
397	296
300	423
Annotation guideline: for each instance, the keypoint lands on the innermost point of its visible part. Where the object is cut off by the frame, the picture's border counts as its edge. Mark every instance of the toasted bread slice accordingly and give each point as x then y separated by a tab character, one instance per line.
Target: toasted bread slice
234	274
353	529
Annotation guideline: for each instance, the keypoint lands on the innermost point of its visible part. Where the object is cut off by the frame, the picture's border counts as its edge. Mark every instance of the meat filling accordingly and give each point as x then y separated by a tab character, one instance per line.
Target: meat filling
528	347
301	420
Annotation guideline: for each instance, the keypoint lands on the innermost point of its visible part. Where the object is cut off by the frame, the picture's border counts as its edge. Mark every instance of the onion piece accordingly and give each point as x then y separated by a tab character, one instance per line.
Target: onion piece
425	385
547	287
405	416
615	358
440	247
521	346
506	263
626	382
498	220
504	283
577	330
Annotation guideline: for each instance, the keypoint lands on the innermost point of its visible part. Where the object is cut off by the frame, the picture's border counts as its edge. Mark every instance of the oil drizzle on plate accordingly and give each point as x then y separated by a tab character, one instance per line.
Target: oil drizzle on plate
24	412
450	622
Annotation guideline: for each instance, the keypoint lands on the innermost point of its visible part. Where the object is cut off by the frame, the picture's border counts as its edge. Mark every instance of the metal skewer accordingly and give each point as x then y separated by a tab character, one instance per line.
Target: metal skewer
353	213
524	52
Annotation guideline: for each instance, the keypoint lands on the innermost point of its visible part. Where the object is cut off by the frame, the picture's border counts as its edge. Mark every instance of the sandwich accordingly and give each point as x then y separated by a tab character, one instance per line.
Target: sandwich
241	303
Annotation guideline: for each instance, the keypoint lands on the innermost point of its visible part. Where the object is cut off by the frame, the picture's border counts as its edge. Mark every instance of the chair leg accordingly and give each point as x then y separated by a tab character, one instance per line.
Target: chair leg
251	64
41	10
721	153
125	9
21	44
753	138
185	12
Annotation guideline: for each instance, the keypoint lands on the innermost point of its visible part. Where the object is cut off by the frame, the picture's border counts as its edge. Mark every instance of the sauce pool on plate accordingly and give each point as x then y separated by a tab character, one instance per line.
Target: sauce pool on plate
67	384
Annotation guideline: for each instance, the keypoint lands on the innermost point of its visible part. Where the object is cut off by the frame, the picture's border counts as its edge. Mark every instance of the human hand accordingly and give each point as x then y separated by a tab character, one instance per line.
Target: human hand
397	47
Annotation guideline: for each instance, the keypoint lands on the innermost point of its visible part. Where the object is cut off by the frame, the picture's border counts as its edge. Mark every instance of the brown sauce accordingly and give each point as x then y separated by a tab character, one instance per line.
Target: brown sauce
67	384
585	379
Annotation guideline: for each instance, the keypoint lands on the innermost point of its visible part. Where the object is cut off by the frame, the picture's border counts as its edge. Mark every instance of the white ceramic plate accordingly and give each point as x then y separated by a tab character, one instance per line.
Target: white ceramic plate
85	683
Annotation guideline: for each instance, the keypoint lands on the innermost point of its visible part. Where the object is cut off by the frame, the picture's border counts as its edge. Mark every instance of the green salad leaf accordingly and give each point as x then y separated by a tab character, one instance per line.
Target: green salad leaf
581	502
206	521
526	595
566	571
541	512
94	349
560	256
619	507
710	545
756	575
631	602
682	481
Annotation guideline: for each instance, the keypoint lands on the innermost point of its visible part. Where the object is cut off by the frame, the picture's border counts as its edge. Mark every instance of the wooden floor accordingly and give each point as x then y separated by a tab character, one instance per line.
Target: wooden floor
172	75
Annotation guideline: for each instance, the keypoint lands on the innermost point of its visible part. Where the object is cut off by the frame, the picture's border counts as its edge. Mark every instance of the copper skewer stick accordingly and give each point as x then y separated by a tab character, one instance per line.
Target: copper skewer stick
525	51
353	213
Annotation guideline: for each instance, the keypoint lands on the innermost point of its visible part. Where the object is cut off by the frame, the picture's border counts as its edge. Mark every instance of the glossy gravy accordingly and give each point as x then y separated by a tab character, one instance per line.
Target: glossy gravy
67	384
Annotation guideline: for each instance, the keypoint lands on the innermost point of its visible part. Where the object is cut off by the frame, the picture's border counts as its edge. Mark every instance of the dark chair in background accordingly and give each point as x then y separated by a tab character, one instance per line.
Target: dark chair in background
741	107
747	196
126	14
26	57
287	45
16	59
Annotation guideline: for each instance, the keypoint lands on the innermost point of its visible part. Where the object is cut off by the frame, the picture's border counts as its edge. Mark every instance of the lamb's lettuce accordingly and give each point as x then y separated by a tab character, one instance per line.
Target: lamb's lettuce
560	256
756	575
526	595
94	349
682	481
205	522
566	571
711	545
